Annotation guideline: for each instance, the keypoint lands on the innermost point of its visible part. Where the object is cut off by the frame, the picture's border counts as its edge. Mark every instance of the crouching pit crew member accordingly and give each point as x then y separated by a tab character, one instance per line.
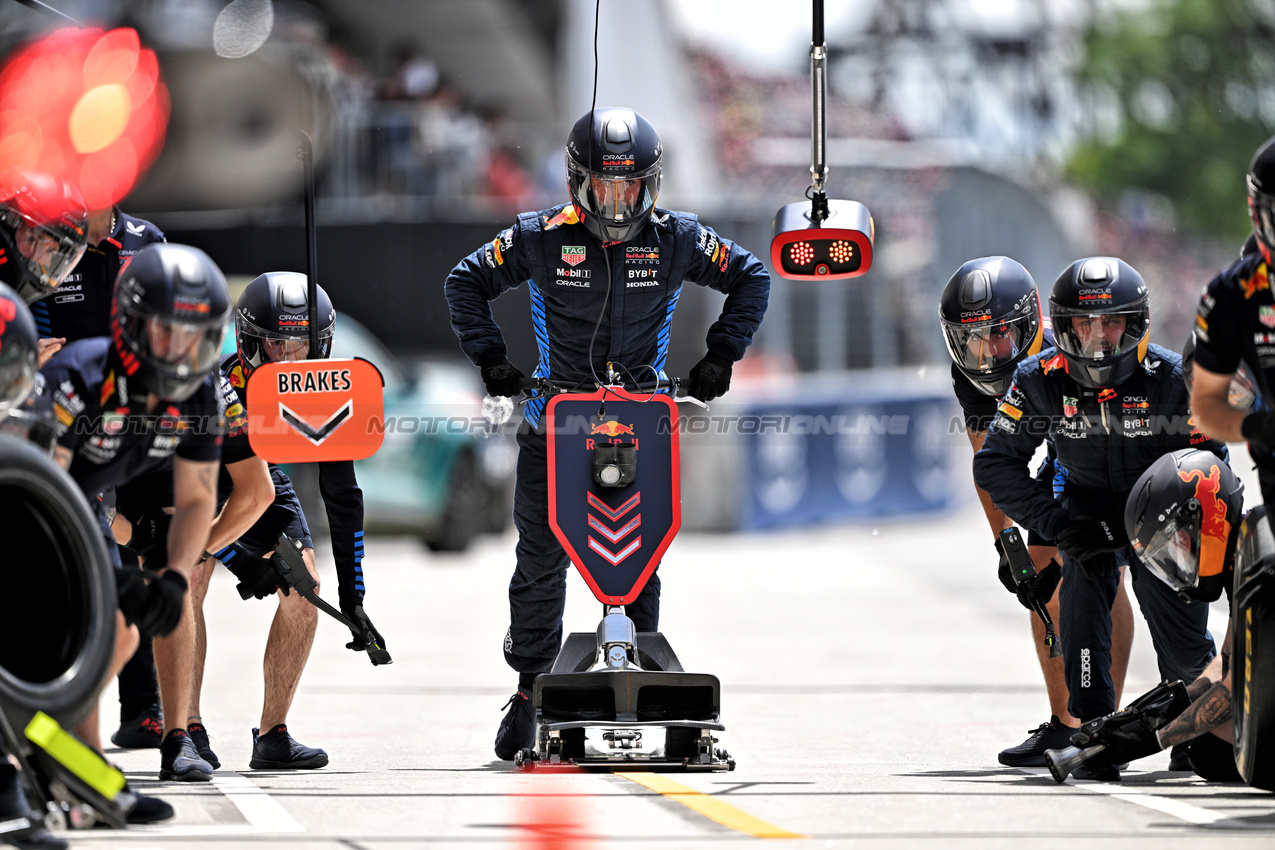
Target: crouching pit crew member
991	319
136	402
605	272
1113	404
1184	520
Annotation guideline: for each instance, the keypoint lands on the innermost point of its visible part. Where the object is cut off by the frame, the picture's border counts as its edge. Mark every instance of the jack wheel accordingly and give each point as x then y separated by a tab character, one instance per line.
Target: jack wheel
722	755
525	759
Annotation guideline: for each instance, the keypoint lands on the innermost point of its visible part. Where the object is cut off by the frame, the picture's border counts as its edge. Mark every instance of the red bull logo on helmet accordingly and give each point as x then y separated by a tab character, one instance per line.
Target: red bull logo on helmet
1214	527
612	429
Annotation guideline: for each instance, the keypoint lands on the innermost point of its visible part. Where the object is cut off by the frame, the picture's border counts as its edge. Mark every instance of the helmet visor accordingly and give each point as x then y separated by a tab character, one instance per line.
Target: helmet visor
614	198
1261	208
1098	336
258	345
986	346
17	373
1173	553
173	348
49	255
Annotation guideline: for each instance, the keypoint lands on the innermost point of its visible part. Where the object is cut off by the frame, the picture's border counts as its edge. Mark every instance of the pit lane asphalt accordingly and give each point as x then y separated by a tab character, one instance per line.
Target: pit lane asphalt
870	674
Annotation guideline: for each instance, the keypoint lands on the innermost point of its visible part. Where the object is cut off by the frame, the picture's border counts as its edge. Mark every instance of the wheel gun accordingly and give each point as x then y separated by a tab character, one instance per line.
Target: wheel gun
1025	577
289	563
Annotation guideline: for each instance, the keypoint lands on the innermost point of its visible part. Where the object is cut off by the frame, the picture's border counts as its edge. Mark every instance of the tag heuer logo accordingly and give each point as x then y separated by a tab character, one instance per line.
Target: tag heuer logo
573	255
1071	406
1266	315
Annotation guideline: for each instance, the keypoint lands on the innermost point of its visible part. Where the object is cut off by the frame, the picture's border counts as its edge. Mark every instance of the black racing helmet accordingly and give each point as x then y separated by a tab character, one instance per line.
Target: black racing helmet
1183	519
990	313
44	228
19	350
1101	320
1242	392
169	318
272	320
614	163
1261	197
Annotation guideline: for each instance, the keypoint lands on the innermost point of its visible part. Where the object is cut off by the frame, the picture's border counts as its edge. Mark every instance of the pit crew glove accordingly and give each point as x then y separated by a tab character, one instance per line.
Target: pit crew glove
1259	427
258	575
1003	571
1093	542
502	378
1041	589
150	538
359	617
156	607
710	377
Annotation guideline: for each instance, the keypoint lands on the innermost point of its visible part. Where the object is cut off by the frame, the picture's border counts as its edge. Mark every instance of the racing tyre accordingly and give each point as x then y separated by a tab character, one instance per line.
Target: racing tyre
463	516
57	633
1253	653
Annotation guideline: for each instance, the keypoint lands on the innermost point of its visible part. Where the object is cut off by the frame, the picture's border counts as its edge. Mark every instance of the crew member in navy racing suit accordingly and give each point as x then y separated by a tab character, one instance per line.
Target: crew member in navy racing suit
81	306
991	319
585	319
1184	518
1113	404
1235	327
135	402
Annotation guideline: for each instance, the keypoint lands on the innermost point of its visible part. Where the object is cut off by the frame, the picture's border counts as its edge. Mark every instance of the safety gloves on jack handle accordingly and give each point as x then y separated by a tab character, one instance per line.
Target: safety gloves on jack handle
358	617
257	575
1093	543
1038	591
501	378
155	605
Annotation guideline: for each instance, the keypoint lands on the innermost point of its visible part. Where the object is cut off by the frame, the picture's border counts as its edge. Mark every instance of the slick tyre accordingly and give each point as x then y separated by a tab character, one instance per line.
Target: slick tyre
57	581
1253	651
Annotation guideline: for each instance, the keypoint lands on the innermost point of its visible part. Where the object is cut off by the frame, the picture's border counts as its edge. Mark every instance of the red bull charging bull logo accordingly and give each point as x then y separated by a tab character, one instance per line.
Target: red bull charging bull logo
1214	528
612	429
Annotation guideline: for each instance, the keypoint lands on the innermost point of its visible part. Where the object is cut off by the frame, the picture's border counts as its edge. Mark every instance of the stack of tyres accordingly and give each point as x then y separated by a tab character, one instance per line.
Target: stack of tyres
1253	651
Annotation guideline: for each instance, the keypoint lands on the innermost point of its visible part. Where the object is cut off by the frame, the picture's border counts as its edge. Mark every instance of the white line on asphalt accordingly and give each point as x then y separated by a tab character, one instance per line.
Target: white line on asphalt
1165	805
258	808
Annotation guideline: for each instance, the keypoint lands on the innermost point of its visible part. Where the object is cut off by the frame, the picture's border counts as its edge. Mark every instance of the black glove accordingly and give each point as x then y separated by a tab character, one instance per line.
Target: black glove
502	378
150	538
357	616
1003	571
1259	427
155	606
258	575
1093	542
1040	589
710	377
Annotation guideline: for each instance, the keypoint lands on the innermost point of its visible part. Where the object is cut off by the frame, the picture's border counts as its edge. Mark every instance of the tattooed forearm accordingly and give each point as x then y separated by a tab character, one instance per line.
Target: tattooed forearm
208	478
1205	714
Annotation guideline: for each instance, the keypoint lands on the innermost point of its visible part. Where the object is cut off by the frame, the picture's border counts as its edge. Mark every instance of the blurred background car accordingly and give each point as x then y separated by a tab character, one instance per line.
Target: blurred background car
440	474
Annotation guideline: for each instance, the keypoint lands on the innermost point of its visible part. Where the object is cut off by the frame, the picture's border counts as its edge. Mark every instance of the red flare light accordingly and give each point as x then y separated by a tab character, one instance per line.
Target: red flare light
85	106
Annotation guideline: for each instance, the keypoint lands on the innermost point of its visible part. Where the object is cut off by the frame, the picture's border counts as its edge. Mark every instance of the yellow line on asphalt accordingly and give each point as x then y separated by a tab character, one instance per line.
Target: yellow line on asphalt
712	808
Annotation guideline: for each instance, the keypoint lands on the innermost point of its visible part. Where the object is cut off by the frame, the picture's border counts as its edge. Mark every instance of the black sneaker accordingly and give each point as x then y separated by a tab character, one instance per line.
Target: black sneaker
518	729
276	750
143	732
1031	753
179	761
199	735
35	837
1108	773
148	809
1178	757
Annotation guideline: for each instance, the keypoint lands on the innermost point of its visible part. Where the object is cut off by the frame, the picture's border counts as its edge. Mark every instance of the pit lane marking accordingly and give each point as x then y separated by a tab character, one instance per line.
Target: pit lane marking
710	807
1164	805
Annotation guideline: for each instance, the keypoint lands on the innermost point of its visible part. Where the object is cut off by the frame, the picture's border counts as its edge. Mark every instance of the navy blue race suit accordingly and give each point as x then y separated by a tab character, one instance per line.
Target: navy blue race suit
113	439
342	499
1105	439
1235	323
564	267
80	306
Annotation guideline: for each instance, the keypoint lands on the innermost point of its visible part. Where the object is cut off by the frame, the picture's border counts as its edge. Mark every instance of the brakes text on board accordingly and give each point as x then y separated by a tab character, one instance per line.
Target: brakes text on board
328	380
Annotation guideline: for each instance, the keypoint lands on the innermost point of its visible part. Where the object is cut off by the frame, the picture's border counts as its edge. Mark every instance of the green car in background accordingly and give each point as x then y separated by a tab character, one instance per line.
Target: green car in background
439	474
